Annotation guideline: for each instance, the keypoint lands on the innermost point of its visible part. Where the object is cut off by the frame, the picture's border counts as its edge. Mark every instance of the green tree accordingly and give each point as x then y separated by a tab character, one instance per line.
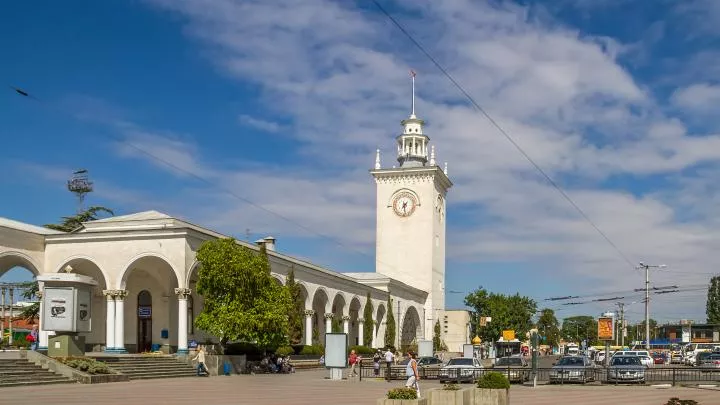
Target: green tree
369	325
71	223
512	312
241	299
712	307
438	344
297	309
579	328
549	327
335	324
31	312
390	325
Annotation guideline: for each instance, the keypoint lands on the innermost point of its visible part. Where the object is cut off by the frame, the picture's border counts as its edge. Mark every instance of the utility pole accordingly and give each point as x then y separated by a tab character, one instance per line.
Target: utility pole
647	298
622	323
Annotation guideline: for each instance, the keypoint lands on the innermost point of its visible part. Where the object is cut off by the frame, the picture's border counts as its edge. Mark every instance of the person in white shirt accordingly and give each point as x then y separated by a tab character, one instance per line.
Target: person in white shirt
389	360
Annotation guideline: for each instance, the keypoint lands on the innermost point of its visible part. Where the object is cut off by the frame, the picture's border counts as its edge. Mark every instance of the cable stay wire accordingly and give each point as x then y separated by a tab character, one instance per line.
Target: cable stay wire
204	180
621	292
502	131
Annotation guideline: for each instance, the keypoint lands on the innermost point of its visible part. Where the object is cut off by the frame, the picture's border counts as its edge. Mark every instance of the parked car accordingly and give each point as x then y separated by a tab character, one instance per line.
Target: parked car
427	366
626	369
573	369
461	369
658	358
710	363
514	368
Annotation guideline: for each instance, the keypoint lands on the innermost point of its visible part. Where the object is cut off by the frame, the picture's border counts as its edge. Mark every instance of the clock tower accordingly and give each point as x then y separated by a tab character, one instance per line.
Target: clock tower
410	240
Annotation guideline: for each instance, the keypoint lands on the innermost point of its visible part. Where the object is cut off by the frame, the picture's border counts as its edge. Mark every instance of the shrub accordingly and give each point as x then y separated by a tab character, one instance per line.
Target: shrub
402	393
678	401
451	387
312	350
284	351
493	380
85	364
362	349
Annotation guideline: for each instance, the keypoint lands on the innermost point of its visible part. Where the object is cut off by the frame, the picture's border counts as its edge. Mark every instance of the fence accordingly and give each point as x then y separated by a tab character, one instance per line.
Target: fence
672	375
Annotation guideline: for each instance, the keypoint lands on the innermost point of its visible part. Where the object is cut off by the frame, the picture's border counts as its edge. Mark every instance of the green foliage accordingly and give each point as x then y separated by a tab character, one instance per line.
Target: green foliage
69	224
335	324
712	307
390	325
362	349
241	299
297	309
369	325
549	327
86	364
31	312
507	311
21	342
438	344
284	351
312	350
451	387
493	380
678	401
577	328
402	393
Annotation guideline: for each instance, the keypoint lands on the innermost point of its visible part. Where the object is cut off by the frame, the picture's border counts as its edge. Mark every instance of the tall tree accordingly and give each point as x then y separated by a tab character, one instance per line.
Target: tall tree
297	309
579	328
712	307
438	344
241	299
390	325
513	312
369	325
71	223
31	313
549	327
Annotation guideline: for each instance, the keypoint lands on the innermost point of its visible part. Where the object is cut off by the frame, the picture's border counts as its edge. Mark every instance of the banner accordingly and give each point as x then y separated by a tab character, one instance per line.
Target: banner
606	328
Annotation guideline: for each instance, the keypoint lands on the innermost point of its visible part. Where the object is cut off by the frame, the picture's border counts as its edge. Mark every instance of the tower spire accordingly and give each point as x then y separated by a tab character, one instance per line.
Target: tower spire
412	75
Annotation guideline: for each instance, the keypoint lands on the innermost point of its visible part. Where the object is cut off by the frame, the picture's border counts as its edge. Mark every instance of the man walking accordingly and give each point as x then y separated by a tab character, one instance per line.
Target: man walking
389	360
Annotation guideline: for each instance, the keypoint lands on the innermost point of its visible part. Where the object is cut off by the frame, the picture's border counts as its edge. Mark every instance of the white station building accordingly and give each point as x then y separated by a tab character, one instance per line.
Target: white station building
146	267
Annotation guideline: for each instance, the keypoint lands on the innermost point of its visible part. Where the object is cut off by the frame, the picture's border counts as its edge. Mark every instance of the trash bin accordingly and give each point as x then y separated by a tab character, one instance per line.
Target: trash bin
155	347
227	367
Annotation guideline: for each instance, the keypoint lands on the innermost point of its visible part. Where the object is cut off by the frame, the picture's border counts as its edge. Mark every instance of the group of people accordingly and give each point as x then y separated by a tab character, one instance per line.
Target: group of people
411	369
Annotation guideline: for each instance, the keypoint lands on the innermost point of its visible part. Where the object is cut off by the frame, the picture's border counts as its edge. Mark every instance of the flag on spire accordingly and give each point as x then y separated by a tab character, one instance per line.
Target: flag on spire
412	73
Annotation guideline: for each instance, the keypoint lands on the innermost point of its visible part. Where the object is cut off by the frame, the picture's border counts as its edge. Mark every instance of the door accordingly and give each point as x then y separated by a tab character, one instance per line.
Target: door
144	325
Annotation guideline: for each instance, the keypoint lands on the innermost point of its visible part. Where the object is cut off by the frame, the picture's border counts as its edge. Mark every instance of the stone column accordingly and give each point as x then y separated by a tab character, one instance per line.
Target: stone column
182	294
109	320
361	331
120	321
346	325
328	322
308	326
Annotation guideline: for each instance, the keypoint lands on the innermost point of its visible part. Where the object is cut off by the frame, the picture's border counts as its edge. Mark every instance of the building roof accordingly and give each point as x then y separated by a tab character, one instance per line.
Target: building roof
138	216
21	226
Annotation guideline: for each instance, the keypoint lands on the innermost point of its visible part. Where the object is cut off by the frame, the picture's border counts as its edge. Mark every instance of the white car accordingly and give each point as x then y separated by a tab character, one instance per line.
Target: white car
461	369
646	361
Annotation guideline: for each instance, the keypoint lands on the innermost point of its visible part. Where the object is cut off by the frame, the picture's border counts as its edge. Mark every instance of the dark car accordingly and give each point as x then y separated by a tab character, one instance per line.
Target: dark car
514	368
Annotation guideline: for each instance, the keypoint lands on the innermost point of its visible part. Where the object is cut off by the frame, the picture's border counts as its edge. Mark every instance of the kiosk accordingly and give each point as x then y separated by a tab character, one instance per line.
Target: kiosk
67	300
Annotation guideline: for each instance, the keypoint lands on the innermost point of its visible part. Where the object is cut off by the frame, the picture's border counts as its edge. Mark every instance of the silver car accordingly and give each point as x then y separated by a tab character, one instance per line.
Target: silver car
573	369
710	362
461	369
626	369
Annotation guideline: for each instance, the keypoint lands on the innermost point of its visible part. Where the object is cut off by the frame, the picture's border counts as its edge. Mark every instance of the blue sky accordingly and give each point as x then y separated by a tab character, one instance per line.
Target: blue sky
284	103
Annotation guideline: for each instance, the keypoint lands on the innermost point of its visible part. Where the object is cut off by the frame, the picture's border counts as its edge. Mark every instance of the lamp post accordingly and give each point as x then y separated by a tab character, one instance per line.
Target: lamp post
647	268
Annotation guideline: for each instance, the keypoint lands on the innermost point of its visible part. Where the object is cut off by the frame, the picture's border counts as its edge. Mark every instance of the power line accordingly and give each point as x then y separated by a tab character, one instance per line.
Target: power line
503	132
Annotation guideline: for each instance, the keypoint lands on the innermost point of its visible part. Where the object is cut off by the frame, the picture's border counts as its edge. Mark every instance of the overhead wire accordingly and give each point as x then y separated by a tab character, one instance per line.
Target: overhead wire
502	131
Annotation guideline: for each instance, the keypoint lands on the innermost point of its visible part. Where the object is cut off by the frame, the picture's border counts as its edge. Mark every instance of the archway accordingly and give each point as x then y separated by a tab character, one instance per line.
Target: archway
17	274
338	310
411	328
319	305
354	335
154	275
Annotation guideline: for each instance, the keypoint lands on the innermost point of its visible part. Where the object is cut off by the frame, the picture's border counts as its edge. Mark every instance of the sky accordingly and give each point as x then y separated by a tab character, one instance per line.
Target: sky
258	118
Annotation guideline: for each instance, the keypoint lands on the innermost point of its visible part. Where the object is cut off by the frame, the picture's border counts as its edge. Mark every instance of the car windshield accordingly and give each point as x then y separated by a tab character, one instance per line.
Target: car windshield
460	362
571	361
509	361
626	361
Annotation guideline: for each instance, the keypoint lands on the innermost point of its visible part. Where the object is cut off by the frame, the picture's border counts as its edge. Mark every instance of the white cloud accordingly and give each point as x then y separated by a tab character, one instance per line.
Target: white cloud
263	125
338	75
701	97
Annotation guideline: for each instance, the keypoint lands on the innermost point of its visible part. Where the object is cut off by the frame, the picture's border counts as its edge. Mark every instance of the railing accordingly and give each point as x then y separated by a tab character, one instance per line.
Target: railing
596	374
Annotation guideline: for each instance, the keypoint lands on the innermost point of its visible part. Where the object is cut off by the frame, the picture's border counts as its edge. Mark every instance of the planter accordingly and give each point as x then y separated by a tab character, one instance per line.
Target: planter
438	396
484	396
385	401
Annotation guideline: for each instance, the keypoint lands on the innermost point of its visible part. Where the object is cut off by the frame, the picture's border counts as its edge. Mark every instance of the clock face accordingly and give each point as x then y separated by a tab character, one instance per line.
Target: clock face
404	204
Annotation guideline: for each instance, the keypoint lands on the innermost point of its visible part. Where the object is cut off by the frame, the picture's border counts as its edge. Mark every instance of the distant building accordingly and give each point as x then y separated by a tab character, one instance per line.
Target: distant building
455	327
693	333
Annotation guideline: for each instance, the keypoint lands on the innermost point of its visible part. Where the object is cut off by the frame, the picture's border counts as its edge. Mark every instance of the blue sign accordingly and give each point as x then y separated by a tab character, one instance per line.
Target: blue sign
193	344
144	312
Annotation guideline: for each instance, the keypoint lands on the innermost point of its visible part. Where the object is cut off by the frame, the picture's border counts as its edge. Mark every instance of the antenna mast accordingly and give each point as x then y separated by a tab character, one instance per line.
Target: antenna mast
80	184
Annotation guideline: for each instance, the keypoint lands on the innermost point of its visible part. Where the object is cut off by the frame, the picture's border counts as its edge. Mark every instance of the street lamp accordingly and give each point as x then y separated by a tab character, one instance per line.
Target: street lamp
647	268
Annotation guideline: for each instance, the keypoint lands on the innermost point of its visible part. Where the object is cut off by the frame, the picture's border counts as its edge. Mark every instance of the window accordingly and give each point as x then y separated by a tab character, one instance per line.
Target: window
190	317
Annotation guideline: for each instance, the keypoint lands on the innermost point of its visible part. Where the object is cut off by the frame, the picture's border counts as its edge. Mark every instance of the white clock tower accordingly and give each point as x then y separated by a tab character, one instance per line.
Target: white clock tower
410	242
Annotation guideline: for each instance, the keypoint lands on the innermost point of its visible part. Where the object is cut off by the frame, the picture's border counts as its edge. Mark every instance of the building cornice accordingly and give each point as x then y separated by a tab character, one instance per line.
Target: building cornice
410	175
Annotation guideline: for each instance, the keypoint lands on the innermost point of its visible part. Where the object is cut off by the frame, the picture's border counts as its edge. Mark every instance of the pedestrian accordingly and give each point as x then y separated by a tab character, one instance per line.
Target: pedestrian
33	338
200	357
389	360
376	362
353	360
411	372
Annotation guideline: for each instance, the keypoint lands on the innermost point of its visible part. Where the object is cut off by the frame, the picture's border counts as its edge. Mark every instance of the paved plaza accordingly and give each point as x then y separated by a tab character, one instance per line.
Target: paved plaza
309	387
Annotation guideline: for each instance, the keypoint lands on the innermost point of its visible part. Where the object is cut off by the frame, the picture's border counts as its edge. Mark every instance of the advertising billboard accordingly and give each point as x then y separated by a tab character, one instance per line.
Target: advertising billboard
58	309
606	328
336	350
